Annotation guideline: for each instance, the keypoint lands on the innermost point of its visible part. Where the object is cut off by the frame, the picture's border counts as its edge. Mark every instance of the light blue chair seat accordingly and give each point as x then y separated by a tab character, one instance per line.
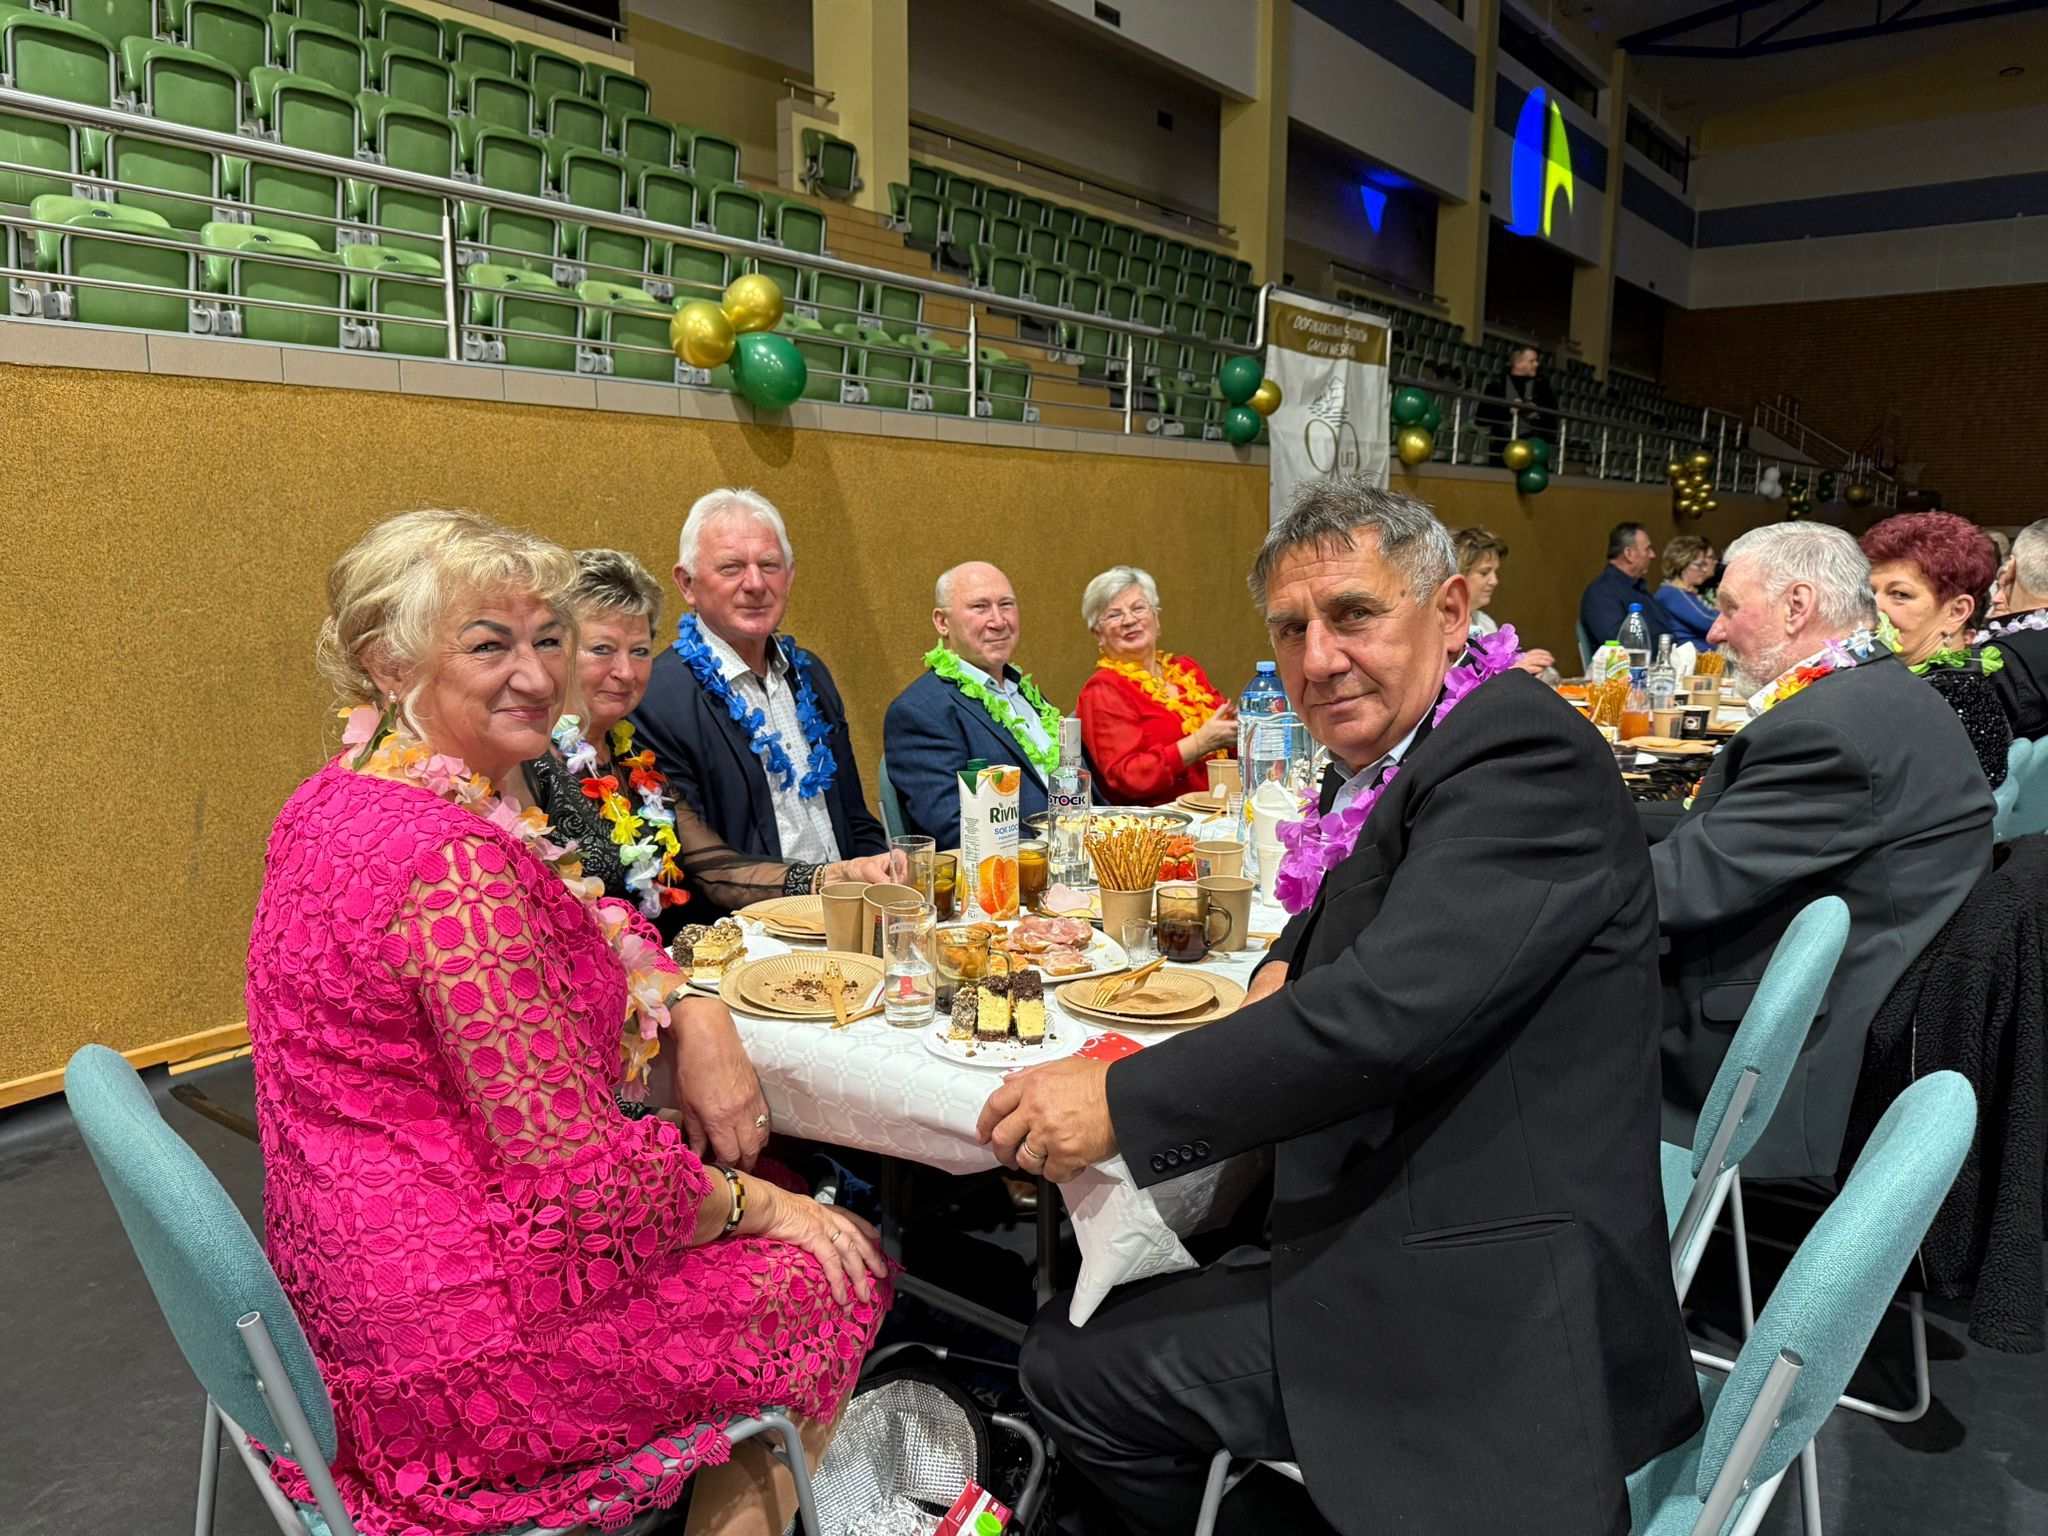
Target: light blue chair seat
891	807
1674	1167
1663	1498
2022	799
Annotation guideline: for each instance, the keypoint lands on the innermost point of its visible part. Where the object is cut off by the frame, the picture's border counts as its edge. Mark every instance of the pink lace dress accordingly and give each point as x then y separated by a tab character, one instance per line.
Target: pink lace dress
493	1265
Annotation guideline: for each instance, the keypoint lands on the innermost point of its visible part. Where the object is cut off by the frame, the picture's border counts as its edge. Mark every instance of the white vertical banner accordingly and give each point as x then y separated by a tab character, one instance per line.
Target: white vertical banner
1331	365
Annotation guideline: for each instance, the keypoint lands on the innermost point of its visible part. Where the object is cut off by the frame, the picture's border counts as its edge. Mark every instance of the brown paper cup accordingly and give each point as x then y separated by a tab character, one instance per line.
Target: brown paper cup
1666	722
875	899
1232	896
844	912
1120	907
1224	776
1221	857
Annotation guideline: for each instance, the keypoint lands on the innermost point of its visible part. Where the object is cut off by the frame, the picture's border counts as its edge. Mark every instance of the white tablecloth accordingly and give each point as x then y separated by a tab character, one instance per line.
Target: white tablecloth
878	1088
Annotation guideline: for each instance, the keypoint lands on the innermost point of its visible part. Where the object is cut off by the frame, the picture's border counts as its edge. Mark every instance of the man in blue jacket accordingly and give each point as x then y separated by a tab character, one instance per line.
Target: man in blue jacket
970	702
747	725
1620	582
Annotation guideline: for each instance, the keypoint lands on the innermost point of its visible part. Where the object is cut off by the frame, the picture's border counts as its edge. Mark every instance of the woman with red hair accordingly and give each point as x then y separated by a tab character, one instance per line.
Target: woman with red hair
1931	573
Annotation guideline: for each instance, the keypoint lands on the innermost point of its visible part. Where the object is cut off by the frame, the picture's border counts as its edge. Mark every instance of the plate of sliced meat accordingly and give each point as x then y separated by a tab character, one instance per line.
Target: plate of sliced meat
1063	948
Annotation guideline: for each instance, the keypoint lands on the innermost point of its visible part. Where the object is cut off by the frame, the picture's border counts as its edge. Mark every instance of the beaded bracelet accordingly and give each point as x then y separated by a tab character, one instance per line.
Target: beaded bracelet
736	1187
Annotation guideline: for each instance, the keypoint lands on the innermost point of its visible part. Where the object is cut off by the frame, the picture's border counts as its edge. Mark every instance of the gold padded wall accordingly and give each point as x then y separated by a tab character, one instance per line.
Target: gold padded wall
169	540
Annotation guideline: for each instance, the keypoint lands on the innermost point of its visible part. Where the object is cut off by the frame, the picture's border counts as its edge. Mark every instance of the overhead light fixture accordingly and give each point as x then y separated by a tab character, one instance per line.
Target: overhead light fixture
2012	71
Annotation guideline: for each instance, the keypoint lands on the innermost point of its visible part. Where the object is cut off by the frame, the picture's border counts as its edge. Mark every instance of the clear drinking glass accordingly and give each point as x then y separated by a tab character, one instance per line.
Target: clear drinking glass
945	884
961	954
919	854
1140	941
908	984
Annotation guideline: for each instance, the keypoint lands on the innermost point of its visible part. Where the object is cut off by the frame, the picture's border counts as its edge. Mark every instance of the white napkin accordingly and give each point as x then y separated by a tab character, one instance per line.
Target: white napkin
1685	659
1121	1235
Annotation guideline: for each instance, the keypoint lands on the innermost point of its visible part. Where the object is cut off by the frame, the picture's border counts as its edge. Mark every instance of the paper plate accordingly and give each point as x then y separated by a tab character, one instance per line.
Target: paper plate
1670	746
1228	999
1063	1037
1166	991
792	984
1203	803
802	915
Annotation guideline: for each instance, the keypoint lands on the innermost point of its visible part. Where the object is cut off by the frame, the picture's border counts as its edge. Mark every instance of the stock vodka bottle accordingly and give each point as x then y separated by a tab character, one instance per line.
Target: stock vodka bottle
1067	793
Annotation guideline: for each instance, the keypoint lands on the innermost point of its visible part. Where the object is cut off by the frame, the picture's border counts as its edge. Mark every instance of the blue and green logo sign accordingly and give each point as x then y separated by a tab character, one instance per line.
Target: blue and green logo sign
1541	167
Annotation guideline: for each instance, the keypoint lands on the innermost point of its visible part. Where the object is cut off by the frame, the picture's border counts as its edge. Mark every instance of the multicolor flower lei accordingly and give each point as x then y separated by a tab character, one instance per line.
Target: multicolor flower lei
1836	656
649	861
1317	844
650	974
1000	710
2014	623
1181	694
767	744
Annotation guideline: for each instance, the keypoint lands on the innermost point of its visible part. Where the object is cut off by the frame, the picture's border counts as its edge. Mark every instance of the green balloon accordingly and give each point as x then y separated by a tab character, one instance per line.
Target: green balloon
769	370
1534	480
1241	424
1432	418
1540	446
1410	406
1241	378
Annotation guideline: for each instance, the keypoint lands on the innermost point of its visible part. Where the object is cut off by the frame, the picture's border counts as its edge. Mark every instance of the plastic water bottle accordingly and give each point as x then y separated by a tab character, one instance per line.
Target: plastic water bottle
1263	698
1635	640
1663	679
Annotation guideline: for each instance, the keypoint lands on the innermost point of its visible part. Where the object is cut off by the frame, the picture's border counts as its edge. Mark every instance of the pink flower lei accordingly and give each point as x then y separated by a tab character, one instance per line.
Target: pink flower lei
1318	844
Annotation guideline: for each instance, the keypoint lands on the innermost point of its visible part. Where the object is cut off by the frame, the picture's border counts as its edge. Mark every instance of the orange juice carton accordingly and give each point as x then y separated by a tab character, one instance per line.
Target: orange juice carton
988	837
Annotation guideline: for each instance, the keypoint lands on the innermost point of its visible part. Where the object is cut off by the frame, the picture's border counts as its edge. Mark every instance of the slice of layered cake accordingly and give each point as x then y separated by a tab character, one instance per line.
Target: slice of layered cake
992	1019
1027	1006
966	1008
684	945
715	952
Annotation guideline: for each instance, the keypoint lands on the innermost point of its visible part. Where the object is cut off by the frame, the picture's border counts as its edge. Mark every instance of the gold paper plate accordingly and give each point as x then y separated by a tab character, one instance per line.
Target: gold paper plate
1207	804
793	985
789	914
1228	998
1163	992
1670	746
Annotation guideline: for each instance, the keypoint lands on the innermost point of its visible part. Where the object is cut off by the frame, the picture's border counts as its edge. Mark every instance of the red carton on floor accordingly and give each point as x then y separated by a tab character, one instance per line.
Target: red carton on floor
974	1502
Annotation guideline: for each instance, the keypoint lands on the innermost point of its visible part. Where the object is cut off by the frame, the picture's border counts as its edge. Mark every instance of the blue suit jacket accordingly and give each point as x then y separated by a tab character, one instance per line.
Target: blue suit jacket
931	731
1605	605
709	764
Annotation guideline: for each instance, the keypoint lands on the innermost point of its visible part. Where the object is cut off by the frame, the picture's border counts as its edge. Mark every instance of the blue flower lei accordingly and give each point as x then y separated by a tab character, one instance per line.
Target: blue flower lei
765	743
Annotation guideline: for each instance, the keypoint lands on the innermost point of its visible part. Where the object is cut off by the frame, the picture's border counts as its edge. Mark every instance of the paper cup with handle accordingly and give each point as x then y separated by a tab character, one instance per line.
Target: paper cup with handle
1231	896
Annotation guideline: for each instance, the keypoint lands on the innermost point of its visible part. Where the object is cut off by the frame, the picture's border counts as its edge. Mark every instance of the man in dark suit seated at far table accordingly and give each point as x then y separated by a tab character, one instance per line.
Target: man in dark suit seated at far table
1853	778
2020	631
1465	1320
1604	604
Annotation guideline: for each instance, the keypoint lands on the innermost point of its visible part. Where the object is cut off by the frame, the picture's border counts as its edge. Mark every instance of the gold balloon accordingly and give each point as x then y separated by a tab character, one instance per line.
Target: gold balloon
1709	504
1673	470
1266	398
1857	495
1518	455
1700	462
754	303
701	334
1416	445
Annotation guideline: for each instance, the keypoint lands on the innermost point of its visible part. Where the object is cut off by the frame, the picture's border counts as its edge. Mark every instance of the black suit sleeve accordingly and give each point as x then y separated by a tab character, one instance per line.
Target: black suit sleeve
925	755
1796	805
1506	878
864	834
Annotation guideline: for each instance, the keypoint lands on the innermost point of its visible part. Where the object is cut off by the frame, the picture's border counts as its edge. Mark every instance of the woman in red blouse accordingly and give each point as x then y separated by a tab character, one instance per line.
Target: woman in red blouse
1148	717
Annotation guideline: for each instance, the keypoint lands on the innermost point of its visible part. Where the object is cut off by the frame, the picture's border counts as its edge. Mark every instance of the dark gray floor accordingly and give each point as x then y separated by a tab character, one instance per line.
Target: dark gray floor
100	1431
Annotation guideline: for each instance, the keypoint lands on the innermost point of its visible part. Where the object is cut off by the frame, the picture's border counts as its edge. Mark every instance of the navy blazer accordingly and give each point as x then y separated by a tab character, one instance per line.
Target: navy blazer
931	732
705	754
1605	605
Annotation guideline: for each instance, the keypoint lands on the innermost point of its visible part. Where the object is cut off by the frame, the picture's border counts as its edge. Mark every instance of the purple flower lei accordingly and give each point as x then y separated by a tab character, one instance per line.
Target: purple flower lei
1318	844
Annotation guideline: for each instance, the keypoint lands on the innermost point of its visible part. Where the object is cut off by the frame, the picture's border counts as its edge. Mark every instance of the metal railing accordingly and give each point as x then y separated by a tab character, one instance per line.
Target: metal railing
1158	211
613	27
1019	349
1780	418
820	98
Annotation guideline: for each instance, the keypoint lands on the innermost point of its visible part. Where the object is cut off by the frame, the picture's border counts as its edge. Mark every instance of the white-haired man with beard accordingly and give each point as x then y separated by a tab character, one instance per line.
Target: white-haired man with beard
1852	778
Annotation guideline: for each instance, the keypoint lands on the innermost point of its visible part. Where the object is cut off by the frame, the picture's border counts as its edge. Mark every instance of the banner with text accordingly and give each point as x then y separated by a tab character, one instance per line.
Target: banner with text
1331	366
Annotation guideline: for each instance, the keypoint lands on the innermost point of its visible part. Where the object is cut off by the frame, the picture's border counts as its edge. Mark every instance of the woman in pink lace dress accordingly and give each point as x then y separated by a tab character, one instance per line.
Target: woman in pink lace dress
510	1287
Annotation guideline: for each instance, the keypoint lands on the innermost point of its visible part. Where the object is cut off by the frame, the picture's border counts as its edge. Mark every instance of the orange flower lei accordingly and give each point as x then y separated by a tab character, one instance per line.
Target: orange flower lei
1181	694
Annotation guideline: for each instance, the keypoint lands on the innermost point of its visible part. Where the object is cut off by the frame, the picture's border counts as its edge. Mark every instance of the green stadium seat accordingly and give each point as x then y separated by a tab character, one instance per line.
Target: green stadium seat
74	253
319	53
942	373
1005	387
1041	244
965	225
178	86
1032	212
548	72
787	275
1006	236
1152	308
1212	322
405	138
617	321
1096	350
824	357
398	314
115	20
306	114
1239	330
831	165
479	49
800	227
713	156
1077	255
734	211
696	271
1140	271
838	299
1094	229
1183	317
1063	221
1241	270
927	178
1045	283
1119	238
236	270
1145	244
614	89
342	15
226	30
638	136
979	258
506	162
1084	292
884	368
959	188
494	98
49	57
398	27
576	121
411	75
896	310
1006	276
665	195
513	299
587	179
922	215
998	202
1120	302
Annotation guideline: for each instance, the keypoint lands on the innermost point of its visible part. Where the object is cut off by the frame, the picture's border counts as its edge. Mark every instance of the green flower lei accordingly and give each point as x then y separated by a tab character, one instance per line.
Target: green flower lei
1047	758
1987	660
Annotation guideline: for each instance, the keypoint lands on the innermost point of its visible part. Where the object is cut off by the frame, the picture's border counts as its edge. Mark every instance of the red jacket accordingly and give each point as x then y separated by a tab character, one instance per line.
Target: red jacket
1135	741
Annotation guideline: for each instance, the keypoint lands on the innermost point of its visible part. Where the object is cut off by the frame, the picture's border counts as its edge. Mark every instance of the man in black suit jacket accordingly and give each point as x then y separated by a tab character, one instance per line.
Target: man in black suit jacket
2021	634
1465	1321
733	568
1862	785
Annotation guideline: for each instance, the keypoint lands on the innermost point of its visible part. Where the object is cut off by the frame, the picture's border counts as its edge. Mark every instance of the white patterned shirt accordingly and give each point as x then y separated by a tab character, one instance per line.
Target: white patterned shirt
1007	689
804	826
1364	779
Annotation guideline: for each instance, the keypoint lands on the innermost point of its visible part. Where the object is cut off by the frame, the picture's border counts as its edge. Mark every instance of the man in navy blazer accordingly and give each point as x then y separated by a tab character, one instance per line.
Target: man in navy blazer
762	753
938	724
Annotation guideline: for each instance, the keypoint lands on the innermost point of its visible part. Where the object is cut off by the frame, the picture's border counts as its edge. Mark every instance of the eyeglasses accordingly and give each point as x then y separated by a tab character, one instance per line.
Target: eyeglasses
1135	611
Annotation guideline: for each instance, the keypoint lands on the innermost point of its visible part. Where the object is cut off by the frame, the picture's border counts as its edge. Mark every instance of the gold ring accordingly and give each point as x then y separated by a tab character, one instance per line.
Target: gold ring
1028	1150
760	1122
